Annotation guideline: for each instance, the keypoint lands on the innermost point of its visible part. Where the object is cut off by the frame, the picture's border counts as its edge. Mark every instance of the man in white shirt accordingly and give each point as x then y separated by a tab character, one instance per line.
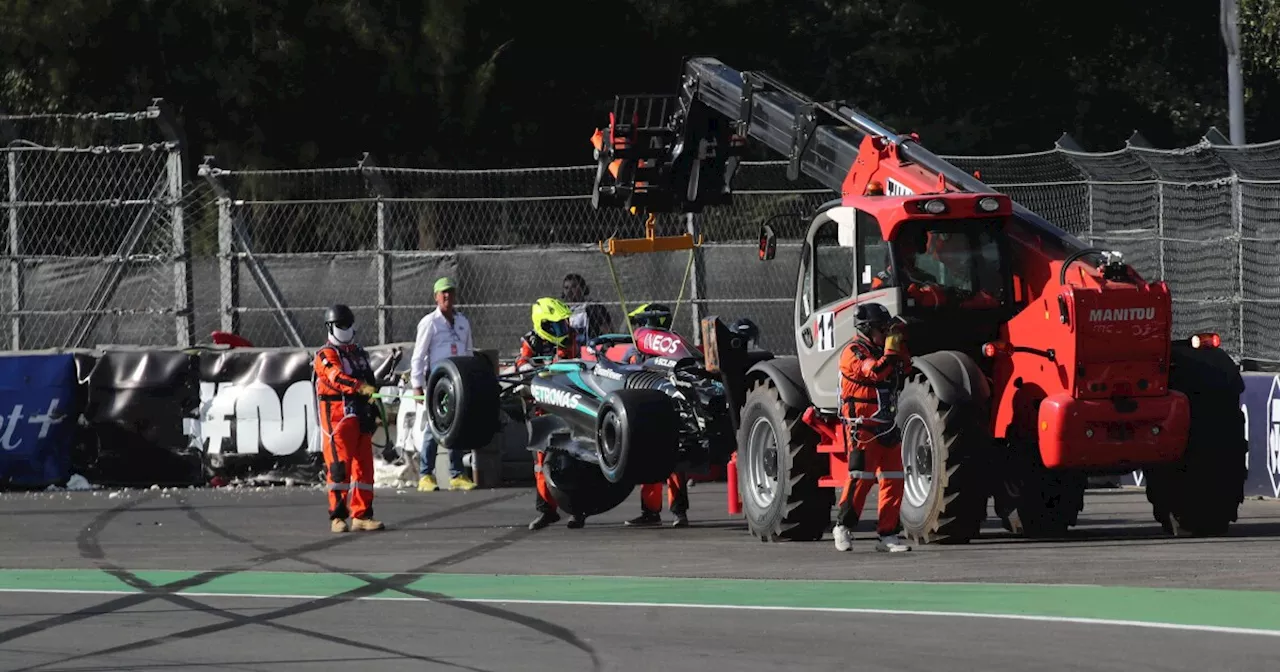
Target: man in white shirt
443	333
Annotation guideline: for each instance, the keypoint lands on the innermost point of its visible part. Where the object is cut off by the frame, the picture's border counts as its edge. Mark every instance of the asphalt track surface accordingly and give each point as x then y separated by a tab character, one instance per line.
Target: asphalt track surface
242	579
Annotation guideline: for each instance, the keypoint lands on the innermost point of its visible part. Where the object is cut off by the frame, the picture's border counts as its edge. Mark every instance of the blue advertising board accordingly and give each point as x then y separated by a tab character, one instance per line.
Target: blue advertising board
37	418
1261	405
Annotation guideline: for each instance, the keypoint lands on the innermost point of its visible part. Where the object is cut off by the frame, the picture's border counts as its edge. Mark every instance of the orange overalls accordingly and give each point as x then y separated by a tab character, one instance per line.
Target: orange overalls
868	387
677	495
347	423
532	345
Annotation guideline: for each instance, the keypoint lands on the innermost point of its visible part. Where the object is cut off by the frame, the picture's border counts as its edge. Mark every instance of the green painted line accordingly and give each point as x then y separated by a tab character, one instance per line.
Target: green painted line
1254	610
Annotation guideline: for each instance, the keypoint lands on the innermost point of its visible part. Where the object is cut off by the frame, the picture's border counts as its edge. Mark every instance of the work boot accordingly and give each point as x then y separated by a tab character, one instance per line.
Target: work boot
461	482
577	523
544	520
366	525
681	520
844	538
337	525
427	484
889	543
646	519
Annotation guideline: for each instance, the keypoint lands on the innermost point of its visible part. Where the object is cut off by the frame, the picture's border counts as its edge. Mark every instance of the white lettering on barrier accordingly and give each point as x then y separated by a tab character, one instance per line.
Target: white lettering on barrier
46	420
1273	436
262	418
1244	409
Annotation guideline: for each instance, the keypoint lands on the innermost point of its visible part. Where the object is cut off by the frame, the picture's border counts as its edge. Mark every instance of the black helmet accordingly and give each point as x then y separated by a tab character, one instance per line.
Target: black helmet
871	316
746	328
652	315
340	316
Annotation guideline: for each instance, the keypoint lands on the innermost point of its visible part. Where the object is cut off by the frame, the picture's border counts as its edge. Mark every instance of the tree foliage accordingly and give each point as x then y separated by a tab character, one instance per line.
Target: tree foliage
483	83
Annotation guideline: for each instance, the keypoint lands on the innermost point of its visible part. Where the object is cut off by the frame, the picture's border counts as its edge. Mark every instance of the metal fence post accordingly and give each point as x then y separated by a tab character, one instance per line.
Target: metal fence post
1237	215
15	261
1089	201
378	188
228	265
1160	222
231	227
183	295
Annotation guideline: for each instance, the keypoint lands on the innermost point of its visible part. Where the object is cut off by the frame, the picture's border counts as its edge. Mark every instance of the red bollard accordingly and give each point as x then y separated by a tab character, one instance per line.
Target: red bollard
731	475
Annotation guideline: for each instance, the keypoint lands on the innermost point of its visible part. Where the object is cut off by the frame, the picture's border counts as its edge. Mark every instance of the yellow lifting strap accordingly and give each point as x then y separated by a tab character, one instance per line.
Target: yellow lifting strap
650	243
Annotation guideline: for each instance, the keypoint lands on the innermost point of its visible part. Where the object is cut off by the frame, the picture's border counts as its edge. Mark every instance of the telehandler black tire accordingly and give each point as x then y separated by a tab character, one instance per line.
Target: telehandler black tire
1200	495
1047	502
945	450
778	453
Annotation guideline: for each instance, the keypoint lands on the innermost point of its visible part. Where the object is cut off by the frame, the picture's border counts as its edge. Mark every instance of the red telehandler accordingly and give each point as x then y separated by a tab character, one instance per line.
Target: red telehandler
1037	360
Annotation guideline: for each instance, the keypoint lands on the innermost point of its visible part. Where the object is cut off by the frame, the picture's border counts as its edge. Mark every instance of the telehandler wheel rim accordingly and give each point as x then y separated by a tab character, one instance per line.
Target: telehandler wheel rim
917	461
762	469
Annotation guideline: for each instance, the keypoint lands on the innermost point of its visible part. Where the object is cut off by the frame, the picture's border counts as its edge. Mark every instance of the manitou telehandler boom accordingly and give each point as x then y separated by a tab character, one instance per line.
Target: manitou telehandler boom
1037	360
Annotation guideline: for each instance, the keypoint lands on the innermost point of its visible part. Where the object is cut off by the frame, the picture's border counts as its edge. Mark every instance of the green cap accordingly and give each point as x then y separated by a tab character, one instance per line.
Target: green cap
442	284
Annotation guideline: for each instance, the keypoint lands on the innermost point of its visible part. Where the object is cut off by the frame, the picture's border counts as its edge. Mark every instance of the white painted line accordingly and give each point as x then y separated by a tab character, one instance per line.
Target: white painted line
735	607
641	577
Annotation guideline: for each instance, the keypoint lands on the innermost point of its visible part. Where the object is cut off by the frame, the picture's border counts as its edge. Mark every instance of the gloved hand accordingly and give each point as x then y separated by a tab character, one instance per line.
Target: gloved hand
368	390
893	343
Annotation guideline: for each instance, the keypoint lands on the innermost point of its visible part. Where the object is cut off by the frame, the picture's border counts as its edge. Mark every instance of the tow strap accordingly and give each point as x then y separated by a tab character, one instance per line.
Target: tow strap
622	300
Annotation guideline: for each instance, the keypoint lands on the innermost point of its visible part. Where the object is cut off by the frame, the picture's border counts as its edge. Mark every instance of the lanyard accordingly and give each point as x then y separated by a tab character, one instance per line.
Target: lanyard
455	340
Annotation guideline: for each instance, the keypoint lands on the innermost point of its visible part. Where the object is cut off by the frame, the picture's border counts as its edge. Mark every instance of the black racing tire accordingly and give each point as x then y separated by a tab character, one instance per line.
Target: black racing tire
1200	495
637	436
463	402
1048	502
945	451
778	453
579	488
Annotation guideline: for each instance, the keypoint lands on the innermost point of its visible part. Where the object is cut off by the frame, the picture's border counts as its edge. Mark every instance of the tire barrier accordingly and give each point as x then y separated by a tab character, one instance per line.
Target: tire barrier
168	417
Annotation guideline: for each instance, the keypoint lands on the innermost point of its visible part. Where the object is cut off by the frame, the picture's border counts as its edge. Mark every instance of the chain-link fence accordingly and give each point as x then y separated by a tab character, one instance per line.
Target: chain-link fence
291	242
99	232
96	210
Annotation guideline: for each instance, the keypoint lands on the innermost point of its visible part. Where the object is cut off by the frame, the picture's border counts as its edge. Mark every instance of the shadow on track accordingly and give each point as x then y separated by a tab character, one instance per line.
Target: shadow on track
91	549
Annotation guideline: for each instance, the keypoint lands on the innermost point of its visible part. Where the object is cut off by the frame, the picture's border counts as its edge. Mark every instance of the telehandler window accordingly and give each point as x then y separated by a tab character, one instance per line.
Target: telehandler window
833	272
962	258
873	256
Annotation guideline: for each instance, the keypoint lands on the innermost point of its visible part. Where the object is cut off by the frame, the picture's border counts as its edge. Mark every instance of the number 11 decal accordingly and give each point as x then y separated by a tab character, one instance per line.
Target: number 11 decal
826	328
